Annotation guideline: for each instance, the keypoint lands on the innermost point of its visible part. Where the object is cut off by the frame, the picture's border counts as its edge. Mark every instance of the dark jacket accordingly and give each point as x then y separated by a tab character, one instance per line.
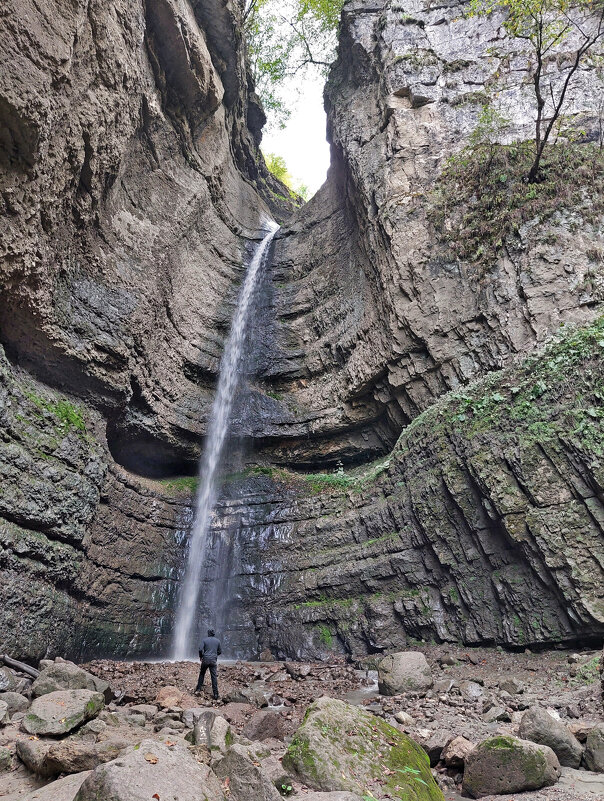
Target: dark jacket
210	650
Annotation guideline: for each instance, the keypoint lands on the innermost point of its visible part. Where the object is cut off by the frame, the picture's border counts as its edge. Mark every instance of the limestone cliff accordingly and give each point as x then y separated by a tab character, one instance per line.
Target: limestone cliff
131	190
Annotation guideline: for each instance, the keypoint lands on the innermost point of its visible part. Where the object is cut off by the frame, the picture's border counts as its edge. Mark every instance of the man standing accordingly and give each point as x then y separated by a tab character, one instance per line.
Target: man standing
208	653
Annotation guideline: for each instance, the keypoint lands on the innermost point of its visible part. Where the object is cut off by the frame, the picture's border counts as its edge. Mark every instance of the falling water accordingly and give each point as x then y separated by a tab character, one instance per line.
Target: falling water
230	368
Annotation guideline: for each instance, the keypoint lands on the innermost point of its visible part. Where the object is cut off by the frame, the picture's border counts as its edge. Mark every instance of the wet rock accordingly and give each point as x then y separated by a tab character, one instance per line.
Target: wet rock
540	727
168	697
60	712
594	749
337	748
455	753
60	790
151	768
406	671
506	764
6	759
65	675
246	779
15	702
265	725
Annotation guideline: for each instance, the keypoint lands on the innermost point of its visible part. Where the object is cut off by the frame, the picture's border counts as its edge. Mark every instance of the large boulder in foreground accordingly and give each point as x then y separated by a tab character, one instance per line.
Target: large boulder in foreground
150	770
61	712
506	764
61	790
342	747
594	749
68	676
246	779
406	671
539	726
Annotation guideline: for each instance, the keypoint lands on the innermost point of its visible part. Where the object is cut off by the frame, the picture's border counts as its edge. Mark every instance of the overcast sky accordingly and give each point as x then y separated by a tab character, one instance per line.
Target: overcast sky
302	143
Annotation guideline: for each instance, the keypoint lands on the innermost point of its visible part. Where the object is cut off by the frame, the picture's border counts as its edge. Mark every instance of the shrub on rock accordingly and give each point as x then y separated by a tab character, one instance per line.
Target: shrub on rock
342	747
406	671
506	764
539	726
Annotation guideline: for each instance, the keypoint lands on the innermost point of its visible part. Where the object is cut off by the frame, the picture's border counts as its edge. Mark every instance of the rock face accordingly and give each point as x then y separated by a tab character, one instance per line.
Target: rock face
336	746
404	672
540	727
59	712
509	765
131	189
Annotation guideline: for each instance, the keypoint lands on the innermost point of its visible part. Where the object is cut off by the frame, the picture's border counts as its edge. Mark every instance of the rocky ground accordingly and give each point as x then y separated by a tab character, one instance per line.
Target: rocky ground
466	697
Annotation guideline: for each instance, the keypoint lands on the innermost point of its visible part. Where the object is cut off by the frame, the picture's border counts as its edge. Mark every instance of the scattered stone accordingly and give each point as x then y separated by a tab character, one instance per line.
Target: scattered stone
151	769
267	656
281	675
265	725
168	697
336	747
470	690
446	660
594	749
15	702
506	764
68	676
456	752
512	686
406	671
332	797
581	729
540	727
573	659
246	779
148	710
443	686
298	670
435	745
403	718
497	713
60	712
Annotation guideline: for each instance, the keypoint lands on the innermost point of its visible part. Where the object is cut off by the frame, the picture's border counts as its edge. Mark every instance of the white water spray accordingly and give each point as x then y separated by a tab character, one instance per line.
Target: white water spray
230	371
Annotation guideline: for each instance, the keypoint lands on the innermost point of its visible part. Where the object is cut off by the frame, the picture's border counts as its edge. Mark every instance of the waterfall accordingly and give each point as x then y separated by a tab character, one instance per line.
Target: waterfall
218	428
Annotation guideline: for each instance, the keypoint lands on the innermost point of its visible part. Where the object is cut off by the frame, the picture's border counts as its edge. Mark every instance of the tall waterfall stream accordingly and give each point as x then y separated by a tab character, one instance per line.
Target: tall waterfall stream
218	429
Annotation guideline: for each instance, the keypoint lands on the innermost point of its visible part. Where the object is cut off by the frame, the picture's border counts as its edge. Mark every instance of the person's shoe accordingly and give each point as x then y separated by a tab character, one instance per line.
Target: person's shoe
217	698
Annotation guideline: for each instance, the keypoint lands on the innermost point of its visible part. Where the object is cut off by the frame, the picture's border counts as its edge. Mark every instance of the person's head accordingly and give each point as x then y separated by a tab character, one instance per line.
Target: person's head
210	632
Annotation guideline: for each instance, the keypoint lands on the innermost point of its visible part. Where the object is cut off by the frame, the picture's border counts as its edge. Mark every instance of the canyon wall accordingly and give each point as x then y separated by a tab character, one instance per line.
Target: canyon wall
132	191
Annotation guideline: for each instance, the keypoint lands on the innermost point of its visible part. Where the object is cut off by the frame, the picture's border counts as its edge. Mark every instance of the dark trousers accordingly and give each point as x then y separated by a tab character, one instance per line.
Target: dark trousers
213	676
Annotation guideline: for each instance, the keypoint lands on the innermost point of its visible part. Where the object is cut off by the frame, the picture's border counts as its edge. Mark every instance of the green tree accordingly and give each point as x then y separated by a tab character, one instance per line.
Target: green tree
278	167
286	38
545	25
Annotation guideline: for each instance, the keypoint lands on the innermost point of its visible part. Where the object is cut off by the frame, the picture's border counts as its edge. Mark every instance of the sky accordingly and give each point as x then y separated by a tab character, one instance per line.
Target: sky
302	143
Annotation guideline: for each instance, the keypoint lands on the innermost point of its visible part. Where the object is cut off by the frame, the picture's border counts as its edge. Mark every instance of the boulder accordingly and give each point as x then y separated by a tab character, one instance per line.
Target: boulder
342	747
6	759
403	718
298	670
470	690
33	753
68	676
4	713
75	755
266	725
213	731
61	790
407	671
455	753
540	727
435	744
148	710
60	712
512	686
246	779
9	681
506	764
169	696
497	713
151	769
594	749
15	702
